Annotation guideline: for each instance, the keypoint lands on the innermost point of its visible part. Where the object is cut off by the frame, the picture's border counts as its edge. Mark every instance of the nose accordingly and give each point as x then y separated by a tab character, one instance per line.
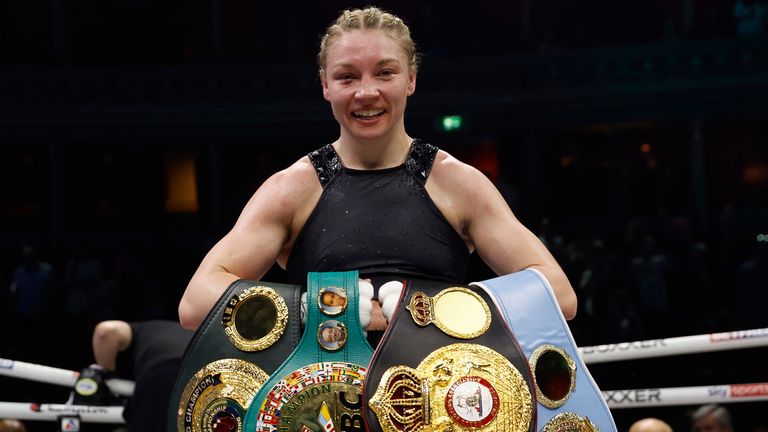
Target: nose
367	90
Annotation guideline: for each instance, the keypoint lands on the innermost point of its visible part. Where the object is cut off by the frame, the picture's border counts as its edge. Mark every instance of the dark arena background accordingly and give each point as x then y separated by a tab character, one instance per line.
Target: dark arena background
630	136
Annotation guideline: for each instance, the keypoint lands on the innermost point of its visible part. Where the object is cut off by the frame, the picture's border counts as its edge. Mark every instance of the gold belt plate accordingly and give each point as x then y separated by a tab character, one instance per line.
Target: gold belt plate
218	396
323	396
255	319
569	422
459	387
457	311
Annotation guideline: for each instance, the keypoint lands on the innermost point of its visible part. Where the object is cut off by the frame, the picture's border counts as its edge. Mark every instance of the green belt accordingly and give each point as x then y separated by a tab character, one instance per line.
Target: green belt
321	382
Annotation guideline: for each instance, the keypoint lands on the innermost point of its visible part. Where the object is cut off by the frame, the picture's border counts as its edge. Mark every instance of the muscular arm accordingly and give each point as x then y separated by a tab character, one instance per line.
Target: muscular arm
487	222
110	338
260	234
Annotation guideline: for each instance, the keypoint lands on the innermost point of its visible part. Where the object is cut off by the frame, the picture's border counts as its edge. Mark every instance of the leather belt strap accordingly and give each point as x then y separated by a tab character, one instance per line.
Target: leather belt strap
319	387
447	360
213	356
529	307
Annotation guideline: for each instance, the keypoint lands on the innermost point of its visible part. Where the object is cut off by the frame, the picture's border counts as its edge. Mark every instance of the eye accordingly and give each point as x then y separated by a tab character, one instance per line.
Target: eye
386	73
344	78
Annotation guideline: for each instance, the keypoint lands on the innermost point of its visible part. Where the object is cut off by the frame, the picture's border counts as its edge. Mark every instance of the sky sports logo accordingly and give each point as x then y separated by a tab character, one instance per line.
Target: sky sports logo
749	390
739	335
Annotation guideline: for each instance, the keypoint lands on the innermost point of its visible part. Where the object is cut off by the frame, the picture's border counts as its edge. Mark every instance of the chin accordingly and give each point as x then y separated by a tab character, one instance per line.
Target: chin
369	132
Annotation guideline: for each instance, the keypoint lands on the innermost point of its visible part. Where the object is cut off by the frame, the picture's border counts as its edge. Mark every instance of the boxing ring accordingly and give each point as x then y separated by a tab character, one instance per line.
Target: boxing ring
616	399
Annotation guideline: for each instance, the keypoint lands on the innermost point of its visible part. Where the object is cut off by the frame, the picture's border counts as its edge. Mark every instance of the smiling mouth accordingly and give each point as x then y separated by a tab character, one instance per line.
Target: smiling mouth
367	115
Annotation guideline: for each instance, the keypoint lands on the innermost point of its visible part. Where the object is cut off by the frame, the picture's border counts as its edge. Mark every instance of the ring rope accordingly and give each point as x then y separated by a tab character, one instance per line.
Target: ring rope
652	397
87	413
616	399
673	346
57	376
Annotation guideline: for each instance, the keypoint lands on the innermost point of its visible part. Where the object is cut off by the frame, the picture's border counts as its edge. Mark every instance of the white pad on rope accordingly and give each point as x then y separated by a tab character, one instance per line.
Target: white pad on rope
389	296
57	376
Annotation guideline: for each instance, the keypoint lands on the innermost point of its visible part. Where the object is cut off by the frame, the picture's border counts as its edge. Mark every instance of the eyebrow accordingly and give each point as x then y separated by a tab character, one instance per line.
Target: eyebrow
378	63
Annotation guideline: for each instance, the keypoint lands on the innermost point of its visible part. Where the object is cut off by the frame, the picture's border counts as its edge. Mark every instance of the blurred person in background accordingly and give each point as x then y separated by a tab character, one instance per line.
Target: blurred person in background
711	418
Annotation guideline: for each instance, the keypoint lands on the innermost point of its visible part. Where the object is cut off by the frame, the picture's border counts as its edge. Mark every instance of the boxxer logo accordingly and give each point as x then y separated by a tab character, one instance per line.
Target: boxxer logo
632	396
625	346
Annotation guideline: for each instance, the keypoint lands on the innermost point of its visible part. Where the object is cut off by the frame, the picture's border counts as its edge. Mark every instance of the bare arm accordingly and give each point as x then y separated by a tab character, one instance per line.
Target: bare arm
488	223
260	234
109	339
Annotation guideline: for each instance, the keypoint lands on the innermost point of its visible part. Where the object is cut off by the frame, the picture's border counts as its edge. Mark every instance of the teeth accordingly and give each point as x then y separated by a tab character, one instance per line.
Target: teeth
370	113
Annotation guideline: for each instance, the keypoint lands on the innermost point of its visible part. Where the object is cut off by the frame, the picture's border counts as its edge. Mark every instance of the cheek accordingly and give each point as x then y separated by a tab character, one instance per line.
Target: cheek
336	97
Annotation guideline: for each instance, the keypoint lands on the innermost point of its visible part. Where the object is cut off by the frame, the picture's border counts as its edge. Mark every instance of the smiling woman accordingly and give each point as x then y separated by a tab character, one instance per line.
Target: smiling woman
368	64
368	82
374	200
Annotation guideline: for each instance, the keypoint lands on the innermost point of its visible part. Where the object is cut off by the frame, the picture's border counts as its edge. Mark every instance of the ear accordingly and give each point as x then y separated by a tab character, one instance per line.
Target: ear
324	84
411	83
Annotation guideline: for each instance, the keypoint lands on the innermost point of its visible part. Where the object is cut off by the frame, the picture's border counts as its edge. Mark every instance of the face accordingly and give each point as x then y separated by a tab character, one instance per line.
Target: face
332	334
709	424
332	299
367	81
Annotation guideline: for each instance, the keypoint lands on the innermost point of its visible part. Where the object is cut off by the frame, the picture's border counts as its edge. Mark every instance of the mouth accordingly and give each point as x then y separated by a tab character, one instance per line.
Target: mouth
368	114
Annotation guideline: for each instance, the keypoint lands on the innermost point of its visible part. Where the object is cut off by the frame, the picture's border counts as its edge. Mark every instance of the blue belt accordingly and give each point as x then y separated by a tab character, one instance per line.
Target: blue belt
530	308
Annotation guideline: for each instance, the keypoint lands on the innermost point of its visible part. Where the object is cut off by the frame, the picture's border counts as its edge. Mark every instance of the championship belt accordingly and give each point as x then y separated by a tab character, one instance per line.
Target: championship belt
250	331
447	362
568	398
319	387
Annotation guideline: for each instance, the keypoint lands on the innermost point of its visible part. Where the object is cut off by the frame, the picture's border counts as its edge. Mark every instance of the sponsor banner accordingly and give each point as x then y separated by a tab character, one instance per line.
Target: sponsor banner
686	395
674	346
749	390
91	414
624	346
739	335
633	397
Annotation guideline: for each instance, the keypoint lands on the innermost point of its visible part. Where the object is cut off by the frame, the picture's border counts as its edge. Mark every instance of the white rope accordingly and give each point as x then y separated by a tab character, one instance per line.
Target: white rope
674	346
651	397
52	375
87	413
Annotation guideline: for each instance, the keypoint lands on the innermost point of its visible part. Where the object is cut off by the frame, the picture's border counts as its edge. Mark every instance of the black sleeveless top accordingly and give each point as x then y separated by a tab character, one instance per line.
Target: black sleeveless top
379	222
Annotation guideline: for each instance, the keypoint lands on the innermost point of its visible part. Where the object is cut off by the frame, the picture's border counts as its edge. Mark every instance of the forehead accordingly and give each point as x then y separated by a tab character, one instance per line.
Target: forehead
364	45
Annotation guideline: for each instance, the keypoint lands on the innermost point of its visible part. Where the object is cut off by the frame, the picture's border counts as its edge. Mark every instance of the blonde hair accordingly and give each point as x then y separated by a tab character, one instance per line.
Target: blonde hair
370	18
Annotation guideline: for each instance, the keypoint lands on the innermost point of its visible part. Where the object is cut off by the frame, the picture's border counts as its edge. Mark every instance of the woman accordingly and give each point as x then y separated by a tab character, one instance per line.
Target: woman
375	200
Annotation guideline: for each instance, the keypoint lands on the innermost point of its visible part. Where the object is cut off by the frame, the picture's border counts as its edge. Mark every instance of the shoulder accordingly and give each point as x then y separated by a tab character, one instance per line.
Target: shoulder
285	192
300	173
298	178
460	191
450	172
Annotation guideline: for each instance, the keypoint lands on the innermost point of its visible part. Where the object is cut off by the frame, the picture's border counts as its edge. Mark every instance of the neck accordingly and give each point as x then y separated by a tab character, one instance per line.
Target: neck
373	154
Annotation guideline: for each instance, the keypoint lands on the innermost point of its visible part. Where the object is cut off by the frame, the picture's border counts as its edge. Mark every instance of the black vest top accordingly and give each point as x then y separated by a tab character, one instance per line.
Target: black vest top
379	222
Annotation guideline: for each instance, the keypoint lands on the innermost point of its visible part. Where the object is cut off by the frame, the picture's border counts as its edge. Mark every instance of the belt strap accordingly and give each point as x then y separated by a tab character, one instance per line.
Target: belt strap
320	384
214	360
448	362
529	307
